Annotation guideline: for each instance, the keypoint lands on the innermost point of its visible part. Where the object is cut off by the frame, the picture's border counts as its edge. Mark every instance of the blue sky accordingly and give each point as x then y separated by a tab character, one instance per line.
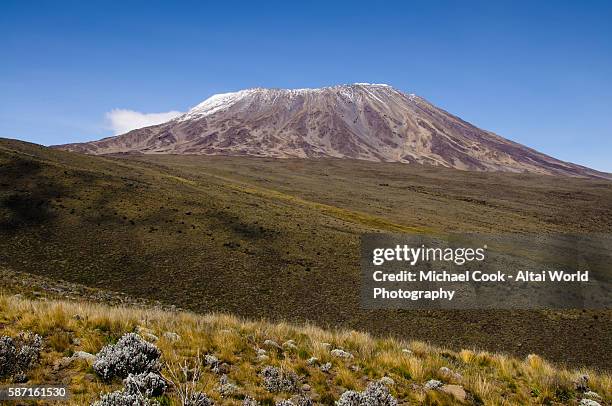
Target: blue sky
535	72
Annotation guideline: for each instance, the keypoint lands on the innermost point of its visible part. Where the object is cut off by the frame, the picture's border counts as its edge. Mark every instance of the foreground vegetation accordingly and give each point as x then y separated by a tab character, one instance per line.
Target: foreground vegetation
233	354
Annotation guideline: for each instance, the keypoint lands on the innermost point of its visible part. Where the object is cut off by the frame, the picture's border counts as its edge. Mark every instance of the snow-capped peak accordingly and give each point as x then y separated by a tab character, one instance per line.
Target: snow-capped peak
215	103
223	101
372	84
357	121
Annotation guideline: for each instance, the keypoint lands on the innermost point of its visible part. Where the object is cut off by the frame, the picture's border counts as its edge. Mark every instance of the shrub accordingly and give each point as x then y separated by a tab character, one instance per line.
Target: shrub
131	355
298	401
376	394
122	398
198	399
149	384
339	353
303	401
350	398
227	388
18	355
276	380
589	402
212	362
29	346
185	379
8	356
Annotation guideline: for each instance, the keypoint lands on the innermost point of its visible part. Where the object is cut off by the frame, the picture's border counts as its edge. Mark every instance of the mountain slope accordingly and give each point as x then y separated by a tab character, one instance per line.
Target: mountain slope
253	236
361	121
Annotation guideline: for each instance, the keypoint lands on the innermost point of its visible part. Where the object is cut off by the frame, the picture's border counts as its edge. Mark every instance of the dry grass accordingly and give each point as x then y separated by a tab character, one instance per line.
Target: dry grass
488	378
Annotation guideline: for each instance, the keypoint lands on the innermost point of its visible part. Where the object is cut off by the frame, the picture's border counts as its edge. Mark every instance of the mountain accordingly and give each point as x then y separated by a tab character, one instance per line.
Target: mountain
361	121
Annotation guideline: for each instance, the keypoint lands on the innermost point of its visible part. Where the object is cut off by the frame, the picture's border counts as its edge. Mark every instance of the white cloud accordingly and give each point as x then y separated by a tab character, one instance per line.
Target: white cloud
122	121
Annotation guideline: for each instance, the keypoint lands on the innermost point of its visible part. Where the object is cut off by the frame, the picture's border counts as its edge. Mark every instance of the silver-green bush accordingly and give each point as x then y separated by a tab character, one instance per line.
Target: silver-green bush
149	384
198	399
277	380
18	355
122	398
131	355
376	394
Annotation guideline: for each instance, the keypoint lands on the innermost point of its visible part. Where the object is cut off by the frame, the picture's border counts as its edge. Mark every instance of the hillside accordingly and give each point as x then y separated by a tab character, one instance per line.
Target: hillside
252	236
233	354
372	122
